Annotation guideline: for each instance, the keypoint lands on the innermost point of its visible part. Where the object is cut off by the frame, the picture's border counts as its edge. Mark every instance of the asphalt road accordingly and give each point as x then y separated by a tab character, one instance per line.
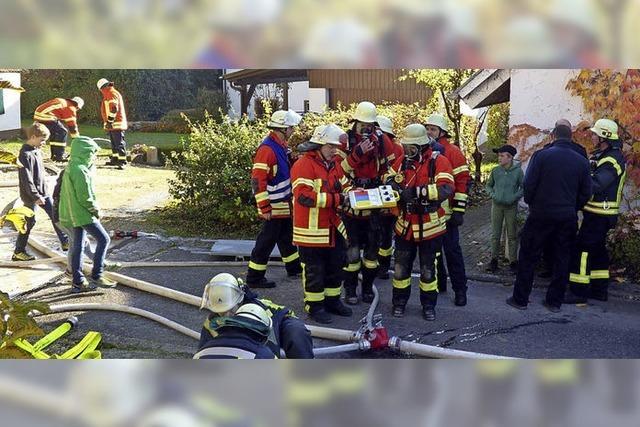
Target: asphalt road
486	324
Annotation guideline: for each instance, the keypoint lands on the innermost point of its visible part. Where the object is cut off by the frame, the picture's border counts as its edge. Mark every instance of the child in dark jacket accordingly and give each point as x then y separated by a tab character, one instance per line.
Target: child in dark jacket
505	188
31	176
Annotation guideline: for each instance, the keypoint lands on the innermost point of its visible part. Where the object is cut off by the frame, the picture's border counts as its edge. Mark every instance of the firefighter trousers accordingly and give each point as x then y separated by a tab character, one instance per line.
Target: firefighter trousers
536	233
404	255
452	253
322	274
590	260
364	235
57	139
387	223
276	231
118	147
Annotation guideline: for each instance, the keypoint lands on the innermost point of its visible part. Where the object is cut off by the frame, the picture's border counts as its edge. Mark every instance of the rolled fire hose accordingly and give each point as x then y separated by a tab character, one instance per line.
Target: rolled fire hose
316	331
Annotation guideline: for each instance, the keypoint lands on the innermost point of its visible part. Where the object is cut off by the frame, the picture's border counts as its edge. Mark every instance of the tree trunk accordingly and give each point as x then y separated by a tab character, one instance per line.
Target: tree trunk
477	161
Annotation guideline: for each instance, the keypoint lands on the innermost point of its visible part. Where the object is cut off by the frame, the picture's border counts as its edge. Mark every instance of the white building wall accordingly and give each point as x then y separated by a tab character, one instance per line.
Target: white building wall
10	120
539	98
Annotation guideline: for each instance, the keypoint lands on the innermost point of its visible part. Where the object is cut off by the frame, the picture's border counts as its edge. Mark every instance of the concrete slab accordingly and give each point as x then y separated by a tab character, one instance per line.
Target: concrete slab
18	280
237	248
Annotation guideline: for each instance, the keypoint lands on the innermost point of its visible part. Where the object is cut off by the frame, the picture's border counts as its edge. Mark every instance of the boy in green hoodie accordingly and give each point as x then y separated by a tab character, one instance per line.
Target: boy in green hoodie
79	211
505	188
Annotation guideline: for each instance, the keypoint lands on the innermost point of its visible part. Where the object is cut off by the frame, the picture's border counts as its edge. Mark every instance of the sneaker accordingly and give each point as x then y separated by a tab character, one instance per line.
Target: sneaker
22	256
103	282
264	284
85	286
493	266
512	302
428	313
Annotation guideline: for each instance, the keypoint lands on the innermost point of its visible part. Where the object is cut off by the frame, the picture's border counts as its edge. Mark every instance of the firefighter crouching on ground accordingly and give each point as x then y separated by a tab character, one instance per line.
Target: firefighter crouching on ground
240	335
455	208
114	120
271	184
589	276
366	160
319	185
60	116
388	219
224	295
425	180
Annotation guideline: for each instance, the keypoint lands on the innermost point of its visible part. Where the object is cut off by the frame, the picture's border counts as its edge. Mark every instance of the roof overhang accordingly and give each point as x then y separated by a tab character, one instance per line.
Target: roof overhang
264	76
485	87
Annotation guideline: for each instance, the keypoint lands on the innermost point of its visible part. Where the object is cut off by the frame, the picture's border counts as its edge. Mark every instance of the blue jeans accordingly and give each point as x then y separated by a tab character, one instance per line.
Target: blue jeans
102	239
21	242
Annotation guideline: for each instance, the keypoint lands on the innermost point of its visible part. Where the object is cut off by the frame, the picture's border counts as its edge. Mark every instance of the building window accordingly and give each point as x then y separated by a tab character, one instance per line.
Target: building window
1	101
306	106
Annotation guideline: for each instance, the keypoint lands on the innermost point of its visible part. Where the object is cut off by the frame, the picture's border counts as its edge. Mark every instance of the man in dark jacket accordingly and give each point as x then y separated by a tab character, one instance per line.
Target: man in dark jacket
549	248
557	184
31	176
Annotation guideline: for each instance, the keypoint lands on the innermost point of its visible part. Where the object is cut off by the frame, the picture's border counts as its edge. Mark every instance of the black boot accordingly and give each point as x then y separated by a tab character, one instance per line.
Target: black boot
368	276
598	294
398	310
428	313
335	306
460	299
493	266
350	285
294	270
573	298
383	269
263	283
317	312
514	267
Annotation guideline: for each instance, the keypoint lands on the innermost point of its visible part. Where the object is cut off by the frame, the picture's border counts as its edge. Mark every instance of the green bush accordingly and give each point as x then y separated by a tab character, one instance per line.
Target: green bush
213	176
498	125
624	244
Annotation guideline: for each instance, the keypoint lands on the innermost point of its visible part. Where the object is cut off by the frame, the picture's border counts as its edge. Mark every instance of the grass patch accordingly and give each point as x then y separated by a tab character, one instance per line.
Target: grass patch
164	141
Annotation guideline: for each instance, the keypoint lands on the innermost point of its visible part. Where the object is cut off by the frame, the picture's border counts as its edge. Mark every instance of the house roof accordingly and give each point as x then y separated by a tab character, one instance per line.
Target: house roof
261	76
485	87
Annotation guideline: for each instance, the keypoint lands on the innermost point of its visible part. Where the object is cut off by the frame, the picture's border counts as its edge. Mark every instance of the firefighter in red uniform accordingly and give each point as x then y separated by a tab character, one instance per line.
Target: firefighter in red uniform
367	157
454	208
319	187
271	184
388	219
60	116
425	181
114	120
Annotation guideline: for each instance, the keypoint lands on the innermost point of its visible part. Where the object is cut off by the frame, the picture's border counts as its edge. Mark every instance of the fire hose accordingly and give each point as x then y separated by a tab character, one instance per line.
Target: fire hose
371	329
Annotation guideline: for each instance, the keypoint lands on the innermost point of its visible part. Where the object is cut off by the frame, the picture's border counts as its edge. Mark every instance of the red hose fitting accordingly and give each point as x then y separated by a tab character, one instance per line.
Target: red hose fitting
379	338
